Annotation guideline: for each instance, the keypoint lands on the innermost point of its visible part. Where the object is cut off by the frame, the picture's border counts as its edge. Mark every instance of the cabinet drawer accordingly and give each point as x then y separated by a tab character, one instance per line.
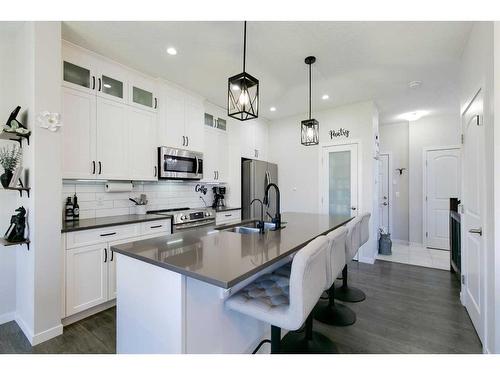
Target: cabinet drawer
101	235
157	226
228	217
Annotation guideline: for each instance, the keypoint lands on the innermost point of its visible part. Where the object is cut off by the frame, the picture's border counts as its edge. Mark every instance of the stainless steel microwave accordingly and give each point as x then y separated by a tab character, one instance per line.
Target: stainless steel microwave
178	164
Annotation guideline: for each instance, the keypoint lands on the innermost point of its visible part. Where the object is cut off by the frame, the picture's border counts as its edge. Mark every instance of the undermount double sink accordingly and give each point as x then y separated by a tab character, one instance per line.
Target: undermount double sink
251	227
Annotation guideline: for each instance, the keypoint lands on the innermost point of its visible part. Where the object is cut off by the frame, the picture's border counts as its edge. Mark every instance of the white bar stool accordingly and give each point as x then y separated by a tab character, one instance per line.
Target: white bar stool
334	313
287	302
359	233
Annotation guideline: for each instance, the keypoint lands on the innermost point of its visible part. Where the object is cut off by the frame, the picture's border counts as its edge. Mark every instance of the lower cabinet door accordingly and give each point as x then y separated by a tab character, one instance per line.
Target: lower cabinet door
86	277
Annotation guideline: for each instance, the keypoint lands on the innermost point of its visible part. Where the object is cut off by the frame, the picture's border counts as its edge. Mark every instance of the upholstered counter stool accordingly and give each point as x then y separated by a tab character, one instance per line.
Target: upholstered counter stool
334	313
358	234
287	302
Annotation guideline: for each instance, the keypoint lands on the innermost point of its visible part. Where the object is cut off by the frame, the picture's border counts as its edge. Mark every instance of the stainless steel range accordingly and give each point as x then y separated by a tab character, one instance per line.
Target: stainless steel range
187	218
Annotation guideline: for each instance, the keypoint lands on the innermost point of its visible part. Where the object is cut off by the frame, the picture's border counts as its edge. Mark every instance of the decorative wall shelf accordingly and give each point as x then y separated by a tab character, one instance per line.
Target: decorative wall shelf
20	190
4	242
16	137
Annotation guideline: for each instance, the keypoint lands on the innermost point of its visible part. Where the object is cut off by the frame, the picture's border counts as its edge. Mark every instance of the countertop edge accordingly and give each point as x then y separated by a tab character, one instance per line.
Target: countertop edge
97	226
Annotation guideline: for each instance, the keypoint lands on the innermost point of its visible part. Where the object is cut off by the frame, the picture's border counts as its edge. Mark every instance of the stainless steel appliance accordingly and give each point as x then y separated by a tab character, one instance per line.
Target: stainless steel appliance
178	164
256	175
186	218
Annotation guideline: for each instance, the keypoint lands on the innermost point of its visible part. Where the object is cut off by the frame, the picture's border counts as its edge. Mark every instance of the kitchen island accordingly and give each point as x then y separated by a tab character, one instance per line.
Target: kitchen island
171	290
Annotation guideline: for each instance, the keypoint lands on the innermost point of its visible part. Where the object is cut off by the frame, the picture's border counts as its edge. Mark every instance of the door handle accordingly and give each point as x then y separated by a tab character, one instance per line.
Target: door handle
187	141
197	165
100	167
99	79
105	255
477	231
112	255
385	203
93	166
155	171
215	176
183	140
353	208
156	103
93	82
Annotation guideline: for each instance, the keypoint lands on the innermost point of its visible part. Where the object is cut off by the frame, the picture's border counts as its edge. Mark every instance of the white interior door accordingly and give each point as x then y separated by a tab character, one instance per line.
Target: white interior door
384	197
340	180
442	183
473	202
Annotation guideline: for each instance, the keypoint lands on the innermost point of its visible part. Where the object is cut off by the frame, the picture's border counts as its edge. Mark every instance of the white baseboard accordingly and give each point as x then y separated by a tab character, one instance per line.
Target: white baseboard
39	337
7	317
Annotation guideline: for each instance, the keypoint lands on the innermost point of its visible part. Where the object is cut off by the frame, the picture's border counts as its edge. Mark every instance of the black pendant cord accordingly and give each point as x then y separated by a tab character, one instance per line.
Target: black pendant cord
244	45
310	100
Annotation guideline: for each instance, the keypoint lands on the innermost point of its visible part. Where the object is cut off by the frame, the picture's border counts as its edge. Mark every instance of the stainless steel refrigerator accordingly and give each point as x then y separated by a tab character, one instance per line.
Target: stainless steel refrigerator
255	176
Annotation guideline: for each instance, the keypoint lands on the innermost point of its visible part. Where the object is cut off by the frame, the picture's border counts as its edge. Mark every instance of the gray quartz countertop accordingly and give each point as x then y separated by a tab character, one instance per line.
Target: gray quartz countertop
109	221
225	258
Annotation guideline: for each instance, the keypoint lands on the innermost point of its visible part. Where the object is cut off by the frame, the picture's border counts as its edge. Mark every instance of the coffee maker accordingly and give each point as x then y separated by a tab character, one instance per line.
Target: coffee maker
219	192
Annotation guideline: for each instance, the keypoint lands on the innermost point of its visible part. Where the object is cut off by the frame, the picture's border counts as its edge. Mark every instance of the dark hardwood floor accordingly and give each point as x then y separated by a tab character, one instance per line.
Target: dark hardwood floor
408	309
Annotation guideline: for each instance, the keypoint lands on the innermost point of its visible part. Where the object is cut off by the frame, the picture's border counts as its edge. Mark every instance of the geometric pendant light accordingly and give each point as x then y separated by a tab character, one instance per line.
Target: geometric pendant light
243	91
309	132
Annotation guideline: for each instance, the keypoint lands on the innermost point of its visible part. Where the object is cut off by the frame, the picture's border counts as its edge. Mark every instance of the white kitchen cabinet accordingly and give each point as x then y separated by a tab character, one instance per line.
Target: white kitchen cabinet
142	144
112	82
78	70
180	120
254	139
143	93
86	278
215	156
228	217
90	265
78	132
112	140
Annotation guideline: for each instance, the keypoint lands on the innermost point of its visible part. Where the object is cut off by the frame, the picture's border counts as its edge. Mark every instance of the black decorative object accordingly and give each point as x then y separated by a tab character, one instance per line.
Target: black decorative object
243	91
5	178
15	232
339	133
13	116
309	132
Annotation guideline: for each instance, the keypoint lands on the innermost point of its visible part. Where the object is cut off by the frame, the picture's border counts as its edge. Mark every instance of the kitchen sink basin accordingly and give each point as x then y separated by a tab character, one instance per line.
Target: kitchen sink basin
250	228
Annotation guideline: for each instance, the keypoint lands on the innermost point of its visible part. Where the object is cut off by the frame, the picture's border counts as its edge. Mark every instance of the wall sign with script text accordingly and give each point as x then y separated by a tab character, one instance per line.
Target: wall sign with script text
339	133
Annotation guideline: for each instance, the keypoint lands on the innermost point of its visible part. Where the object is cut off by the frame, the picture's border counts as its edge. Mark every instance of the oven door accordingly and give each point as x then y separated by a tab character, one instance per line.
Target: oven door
177	164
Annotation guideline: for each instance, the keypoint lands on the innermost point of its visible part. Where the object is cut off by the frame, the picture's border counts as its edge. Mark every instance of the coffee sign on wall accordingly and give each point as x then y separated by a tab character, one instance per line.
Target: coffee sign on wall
339	133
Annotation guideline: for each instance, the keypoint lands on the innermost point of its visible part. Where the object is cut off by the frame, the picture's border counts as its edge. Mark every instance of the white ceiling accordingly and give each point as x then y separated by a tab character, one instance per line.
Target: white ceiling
355	60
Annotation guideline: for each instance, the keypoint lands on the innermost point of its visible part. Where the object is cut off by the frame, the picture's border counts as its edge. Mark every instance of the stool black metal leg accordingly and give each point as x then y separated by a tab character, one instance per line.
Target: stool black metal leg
348	293
334	314
275	340
309	327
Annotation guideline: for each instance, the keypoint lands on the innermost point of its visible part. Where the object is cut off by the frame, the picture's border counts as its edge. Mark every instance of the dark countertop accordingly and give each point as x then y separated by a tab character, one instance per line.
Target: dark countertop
109	221
224	258
223	209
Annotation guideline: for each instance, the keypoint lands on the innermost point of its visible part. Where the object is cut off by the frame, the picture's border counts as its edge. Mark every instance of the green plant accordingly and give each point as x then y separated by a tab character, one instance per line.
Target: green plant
10	158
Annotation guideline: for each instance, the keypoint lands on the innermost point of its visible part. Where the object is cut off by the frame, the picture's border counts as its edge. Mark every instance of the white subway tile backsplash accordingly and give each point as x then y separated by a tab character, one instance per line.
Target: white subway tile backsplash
95	202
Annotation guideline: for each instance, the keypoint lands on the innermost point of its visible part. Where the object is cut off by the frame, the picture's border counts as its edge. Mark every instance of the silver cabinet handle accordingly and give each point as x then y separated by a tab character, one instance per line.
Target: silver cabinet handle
477	231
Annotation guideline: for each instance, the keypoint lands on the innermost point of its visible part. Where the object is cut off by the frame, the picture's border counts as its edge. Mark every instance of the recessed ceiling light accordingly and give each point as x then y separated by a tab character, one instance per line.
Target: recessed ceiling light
325	97
272	109
413	116
414	84
171	51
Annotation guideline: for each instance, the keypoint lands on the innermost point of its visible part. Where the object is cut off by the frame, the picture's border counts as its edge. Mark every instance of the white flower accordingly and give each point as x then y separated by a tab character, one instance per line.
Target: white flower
49	120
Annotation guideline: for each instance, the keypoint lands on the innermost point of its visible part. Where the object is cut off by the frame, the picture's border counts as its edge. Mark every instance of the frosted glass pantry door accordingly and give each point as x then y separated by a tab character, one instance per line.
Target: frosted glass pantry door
340	180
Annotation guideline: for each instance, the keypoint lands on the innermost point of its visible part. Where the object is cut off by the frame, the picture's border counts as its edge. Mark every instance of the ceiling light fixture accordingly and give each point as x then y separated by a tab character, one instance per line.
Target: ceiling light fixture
272	109
171	51
413	116
325	97
309	132
243	91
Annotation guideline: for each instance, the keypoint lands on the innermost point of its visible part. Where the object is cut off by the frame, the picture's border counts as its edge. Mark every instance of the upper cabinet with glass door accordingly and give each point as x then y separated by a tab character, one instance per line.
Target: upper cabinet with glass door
112	82
78	69
143	93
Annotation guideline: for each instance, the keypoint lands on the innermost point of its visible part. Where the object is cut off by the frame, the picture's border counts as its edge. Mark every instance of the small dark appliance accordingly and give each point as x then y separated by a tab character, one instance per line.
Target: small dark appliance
219	192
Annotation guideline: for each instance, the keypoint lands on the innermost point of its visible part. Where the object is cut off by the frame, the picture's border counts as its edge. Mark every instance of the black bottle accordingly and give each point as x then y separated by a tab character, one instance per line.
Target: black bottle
68	210
76	208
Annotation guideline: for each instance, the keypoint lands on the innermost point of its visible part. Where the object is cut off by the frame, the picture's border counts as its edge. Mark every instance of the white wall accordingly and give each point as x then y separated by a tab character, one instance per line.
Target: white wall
477	73
394	139
429	131
38	271
298	166
8	199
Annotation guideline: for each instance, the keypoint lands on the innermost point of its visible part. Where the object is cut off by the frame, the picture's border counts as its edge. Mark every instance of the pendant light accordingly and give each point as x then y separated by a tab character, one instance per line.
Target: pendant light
243	91
309	134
